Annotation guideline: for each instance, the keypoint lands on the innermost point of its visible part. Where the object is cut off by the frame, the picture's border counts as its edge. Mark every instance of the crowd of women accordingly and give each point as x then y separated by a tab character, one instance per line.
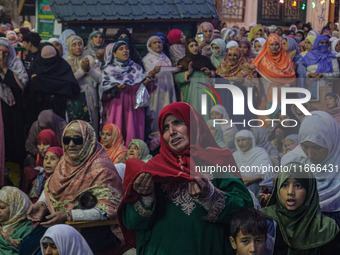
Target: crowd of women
96	133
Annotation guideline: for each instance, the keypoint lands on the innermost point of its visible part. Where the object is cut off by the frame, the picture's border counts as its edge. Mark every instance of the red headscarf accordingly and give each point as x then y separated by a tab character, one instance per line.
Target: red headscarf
116	148
174	36
57	151
172	165
49	137
279	67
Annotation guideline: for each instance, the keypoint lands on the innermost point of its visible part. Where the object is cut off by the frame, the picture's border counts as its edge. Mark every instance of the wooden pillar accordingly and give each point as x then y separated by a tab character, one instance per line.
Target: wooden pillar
331	10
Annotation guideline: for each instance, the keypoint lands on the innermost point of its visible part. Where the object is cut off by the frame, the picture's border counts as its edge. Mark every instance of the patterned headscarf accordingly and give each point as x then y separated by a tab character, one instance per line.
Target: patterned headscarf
19	204
240	69
93	171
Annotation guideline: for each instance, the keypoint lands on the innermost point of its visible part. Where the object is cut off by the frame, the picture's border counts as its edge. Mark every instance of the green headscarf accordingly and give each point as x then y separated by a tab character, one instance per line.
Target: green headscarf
143	148
305	228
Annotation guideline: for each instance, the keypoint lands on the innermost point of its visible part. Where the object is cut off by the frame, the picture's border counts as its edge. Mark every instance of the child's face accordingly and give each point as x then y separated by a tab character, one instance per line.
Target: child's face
50	162
248	244
257	46
4	212
42	148
292	194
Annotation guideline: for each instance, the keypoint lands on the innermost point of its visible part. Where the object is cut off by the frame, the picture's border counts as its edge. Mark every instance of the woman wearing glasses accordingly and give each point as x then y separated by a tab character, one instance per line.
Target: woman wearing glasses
85	186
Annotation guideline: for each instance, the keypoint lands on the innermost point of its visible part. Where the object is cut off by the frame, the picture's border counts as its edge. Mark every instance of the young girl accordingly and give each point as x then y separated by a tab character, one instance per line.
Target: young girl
294	206
46	139
51	160
14	226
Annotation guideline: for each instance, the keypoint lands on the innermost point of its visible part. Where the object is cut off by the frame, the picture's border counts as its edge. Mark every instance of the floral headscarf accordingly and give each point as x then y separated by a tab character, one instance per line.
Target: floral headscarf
241	69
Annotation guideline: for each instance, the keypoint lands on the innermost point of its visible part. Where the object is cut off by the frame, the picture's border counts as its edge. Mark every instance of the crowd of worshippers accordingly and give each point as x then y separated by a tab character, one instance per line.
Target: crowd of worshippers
96	132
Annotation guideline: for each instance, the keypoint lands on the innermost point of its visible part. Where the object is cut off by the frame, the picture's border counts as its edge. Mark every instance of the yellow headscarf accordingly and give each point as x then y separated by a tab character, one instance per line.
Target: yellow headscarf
253	32
311	38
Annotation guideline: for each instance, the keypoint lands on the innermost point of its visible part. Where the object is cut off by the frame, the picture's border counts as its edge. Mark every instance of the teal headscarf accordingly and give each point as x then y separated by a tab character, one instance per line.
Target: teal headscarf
91	48
143	148
216	58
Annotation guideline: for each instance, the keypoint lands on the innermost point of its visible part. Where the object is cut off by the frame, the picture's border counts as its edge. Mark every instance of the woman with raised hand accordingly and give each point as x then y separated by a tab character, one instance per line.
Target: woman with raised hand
168	199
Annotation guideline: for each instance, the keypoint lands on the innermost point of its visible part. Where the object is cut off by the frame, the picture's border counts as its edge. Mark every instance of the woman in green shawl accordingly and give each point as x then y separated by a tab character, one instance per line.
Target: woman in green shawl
138	149
219	50
14	225
294	206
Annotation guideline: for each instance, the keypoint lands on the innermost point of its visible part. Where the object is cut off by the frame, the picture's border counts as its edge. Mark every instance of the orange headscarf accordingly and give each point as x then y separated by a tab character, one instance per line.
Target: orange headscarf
116	149
278	67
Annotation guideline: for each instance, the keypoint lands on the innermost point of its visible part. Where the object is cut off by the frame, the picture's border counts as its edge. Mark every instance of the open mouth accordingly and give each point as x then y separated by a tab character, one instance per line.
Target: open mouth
176	141
290	202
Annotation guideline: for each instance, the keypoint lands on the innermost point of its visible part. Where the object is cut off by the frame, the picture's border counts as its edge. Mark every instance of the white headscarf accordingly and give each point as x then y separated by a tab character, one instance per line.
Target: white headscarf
322	129
334	42
261	41
153	59
256	156
231	44
67	240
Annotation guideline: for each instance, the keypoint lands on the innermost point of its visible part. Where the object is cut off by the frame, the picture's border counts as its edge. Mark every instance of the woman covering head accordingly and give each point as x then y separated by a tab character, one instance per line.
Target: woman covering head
13	38
46	137
47	119
207	29
219	50
14	80
258	45
63	38
321	56
332	101
308	45
58	45
176	39
336	47
318	136
274	63
248	154
65	240
164	93
14	225
95	42
85	71
55	81
235	65
124	35
256	32
245	47
138	149
229	131
294	205
113	142
231	44
121	80
195	69
85	168
173	204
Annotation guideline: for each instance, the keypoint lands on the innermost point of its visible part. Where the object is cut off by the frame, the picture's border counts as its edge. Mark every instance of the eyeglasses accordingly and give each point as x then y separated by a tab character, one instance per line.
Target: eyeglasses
77	140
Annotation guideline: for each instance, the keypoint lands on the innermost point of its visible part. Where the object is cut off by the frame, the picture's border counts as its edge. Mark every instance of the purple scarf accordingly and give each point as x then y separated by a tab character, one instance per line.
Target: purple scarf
321	55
